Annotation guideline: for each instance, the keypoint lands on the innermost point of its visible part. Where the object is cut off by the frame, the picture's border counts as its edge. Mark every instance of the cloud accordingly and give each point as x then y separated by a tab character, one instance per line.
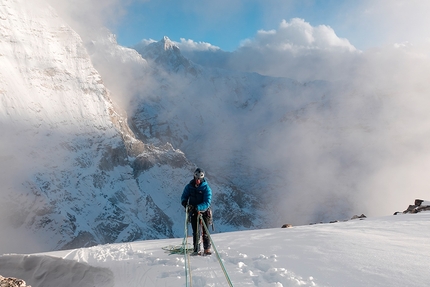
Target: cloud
190	45
356	146
298	35
184	45
296	50
366	24
87	17
146	42
363	145
398	20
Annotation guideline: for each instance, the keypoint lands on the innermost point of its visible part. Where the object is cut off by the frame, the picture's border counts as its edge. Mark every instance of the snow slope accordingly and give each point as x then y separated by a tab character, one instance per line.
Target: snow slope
381	251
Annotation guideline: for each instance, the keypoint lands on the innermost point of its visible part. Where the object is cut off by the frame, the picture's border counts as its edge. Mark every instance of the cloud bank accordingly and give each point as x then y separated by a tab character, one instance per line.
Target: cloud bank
296	50
362	146
367	148
296	36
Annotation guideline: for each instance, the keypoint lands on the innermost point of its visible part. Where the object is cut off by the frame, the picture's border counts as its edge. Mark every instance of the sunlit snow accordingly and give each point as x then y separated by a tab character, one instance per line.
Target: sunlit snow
382	251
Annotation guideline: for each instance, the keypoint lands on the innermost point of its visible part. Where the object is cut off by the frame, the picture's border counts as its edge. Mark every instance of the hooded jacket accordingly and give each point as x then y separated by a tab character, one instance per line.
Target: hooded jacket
199	197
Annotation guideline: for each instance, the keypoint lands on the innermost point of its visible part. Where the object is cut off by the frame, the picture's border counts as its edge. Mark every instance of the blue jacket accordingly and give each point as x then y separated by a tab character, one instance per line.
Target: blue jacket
199	197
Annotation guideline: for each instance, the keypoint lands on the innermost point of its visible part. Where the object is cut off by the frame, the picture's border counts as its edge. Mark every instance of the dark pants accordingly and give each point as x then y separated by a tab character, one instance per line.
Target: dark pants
199	230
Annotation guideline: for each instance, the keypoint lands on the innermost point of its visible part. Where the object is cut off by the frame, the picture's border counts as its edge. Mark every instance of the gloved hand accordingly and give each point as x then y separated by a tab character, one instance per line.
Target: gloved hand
191	208
184	204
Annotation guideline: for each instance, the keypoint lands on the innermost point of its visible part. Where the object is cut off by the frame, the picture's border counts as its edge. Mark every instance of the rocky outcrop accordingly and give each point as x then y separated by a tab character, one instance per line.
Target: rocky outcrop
12	282
418	206
359	216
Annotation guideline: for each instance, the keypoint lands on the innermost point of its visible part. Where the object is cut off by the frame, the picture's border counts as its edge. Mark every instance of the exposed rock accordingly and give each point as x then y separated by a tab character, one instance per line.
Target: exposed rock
359	216
12	282
287	225
83	239
418	202
418	206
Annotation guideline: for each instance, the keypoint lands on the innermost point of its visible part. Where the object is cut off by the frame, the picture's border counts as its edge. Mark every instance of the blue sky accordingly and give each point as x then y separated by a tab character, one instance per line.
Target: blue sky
227	24
223	23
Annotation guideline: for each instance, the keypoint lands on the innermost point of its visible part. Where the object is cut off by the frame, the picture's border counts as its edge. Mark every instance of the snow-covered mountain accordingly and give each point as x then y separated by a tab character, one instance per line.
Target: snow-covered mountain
73	172
77	150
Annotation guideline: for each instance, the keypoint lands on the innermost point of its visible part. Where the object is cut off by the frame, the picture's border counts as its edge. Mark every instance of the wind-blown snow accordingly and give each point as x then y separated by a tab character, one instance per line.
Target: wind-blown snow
387	251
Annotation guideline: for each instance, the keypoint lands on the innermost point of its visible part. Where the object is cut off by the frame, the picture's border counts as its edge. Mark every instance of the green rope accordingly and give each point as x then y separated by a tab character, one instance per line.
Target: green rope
178	249
185	249
216	252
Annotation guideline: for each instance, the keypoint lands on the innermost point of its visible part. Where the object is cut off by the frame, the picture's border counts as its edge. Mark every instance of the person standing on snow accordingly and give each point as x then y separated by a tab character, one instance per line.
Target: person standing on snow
197	195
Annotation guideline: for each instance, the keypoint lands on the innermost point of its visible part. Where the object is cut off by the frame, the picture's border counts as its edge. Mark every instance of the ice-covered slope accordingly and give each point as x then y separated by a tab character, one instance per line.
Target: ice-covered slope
383	251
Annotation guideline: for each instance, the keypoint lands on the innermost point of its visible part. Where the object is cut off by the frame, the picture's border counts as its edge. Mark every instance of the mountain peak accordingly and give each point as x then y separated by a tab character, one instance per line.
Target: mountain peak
167	54
168	44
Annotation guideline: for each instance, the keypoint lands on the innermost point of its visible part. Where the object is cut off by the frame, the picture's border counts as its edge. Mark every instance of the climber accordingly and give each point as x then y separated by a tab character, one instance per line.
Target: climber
196	197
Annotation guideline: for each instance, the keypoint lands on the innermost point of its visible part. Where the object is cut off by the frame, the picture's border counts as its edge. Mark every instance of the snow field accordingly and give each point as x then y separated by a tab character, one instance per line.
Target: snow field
384	251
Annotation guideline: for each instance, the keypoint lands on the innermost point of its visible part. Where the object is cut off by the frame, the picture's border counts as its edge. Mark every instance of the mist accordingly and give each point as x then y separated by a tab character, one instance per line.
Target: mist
352	142
367	152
